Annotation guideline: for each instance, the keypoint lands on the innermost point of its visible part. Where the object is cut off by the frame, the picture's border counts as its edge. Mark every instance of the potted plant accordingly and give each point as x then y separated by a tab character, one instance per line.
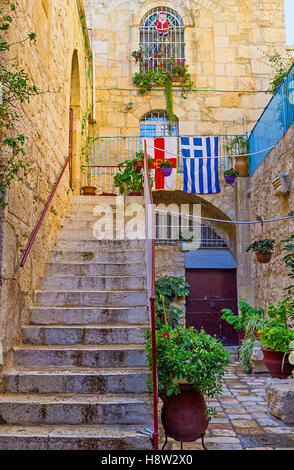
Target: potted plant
129	180
191	365
263	249
239	147
276	338
166	167
231	175
236	321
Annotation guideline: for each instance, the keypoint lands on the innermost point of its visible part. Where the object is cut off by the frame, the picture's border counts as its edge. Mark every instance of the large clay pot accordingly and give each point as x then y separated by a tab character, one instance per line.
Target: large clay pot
183	415
263	257
273	361
242	165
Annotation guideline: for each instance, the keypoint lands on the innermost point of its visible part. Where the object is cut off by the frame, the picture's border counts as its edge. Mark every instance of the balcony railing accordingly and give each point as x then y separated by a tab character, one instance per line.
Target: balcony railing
274	122
105	153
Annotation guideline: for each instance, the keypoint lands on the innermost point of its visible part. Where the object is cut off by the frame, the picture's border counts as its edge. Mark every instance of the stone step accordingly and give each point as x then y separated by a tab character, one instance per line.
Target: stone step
95	269
86	316
39	410
102	283
116	437
105	334
90	298
76	380
92	244
98	255
107	355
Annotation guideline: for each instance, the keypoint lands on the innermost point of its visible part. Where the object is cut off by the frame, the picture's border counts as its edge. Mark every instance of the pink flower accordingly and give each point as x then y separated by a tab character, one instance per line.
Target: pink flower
165	335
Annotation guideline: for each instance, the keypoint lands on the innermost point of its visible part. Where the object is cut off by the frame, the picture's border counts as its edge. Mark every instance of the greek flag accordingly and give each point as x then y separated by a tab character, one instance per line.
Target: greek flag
200	156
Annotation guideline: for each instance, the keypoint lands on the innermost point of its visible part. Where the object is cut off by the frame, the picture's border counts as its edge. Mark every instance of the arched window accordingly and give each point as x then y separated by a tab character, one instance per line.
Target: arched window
156	124
162	38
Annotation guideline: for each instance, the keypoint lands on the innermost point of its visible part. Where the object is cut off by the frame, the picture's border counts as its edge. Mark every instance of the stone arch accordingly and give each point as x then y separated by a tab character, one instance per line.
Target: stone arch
225	230
75	106
177	5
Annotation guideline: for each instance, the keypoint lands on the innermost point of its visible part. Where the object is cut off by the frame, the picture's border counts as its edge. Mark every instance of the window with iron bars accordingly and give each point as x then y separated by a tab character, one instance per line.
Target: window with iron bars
167	232
155	124
162	41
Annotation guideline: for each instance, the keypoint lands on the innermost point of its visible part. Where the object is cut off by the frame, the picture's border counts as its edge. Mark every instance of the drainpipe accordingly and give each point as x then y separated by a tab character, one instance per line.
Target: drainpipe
93	78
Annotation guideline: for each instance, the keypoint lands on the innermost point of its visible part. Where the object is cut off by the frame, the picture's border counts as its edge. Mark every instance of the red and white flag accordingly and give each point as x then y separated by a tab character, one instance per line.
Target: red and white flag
161	149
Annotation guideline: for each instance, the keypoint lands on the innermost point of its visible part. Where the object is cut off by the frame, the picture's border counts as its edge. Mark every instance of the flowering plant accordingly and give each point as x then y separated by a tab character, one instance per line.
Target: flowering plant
232	172
191	356
166	164
138	55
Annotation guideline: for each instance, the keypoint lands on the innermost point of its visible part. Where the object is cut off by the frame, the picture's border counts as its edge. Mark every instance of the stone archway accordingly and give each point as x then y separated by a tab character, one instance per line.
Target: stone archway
75	107
225	230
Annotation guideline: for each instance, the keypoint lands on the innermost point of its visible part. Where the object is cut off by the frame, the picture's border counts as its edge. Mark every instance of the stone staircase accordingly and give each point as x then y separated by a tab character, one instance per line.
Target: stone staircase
78	379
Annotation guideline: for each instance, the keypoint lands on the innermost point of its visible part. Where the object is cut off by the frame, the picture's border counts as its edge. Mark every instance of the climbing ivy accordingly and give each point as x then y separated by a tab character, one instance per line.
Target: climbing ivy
15	88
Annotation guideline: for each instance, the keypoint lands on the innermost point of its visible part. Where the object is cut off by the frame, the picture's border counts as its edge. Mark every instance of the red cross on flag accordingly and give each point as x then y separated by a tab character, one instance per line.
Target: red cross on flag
161	149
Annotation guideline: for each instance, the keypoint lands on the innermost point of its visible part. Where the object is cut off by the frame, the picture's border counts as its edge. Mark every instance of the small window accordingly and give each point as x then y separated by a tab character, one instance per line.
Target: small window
155	124
162	38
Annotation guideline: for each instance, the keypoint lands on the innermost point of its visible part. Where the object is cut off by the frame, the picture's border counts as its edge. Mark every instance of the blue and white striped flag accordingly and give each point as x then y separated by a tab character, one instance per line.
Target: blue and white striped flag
200	156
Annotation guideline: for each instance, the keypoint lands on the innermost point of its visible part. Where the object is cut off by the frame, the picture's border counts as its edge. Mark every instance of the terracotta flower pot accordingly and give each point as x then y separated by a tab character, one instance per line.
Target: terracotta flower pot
263	257
177	79
134	193
89	190
230	179
166	171
241	336
273	361
242	165
138	165
183	415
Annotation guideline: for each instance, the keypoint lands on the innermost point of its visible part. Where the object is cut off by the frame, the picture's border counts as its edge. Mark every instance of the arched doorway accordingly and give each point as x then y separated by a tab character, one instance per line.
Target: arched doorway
75	125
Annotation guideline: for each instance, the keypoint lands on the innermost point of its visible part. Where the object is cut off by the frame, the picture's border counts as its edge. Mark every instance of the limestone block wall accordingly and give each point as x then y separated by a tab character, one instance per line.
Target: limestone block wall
226	46
270	279
45	123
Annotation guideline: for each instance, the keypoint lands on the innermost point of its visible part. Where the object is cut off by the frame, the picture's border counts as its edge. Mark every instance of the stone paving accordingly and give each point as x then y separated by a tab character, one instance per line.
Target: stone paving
243	420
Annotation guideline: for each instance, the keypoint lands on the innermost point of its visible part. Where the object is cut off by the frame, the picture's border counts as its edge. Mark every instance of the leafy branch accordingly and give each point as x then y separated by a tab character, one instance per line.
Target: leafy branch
15	88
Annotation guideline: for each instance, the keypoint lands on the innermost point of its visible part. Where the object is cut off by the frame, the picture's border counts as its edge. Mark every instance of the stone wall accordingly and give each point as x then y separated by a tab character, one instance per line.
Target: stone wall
45	123
270	279
226	47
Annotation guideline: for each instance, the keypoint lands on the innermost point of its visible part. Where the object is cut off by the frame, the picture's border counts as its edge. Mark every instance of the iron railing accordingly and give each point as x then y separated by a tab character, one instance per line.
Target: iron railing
274	122
105	153
150	259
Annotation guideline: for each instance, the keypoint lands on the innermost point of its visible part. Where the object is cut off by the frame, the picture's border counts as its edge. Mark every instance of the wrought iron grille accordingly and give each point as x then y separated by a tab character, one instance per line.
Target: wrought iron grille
162	42
156	124
167	228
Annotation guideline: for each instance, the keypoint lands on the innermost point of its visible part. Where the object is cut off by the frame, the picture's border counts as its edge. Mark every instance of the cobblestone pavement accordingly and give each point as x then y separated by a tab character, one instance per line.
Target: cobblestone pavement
243	420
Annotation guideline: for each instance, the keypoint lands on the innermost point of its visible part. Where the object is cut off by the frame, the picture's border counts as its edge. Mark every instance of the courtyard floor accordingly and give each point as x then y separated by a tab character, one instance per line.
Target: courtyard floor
243	421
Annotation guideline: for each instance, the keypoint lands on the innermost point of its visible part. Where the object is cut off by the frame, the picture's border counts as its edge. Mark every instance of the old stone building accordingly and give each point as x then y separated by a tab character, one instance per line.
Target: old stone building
59	64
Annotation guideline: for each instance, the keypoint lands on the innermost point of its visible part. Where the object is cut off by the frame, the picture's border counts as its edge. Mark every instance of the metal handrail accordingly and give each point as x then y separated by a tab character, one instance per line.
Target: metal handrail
150	235
44	212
